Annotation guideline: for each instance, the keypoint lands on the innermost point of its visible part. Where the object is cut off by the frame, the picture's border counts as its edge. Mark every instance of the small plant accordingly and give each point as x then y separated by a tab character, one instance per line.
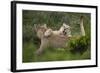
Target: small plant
79	45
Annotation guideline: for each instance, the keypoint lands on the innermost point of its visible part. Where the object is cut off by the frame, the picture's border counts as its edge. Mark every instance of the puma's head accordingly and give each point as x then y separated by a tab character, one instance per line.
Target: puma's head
66	30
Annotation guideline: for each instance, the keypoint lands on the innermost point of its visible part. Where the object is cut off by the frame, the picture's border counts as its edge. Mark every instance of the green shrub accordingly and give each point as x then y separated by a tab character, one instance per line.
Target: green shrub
79	45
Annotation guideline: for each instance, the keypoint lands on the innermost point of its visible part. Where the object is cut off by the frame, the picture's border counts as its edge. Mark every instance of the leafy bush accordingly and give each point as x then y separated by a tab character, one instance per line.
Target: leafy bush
79	45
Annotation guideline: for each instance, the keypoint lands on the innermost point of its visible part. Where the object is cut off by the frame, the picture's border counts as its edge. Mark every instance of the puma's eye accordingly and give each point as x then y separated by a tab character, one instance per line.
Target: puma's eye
64	32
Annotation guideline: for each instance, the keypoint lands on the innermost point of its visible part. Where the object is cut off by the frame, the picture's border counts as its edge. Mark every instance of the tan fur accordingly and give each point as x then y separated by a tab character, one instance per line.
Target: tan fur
53	39
64	28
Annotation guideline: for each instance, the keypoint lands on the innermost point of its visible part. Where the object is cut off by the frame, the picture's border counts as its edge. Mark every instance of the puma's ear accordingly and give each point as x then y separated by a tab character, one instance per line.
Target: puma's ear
64	24
45	25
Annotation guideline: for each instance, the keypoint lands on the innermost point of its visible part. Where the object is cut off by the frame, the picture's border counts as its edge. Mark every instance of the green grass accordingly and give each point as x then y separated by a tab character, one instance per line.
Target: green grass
50	54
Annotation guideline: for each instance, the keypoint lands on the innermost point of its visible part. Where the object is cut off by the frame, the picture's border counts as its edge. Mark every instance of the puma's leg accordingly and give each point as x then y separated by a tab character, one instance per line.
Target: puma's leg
42	47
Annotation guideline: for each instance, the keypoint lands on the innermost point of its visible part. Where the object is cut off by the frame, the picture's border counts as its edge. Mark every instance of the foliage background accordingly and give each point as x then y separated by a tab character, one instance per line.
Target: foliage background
54	20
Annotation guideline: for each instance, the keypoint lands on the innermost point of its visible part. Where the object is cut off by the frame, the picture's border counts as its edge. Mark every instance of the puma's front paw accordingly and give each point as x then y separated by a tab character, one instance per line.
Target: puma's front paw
48	33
